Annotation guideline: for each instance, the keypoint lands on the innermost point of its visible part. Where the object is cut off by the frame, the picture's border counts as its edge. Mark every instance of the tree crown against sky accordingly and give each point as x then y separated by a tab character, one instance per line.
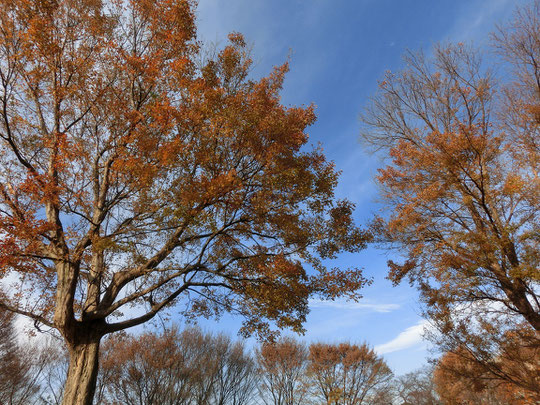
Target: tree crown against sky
137	174
282	366
348	374
188	367
443	29
123	155
462	190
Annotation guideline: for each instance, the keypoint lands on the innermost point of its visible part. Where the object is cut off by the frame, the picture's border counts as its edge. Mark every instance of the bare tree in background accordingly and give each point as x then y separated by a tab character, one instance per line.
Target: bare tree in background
178	368
17	385
234	372
417	388
24	364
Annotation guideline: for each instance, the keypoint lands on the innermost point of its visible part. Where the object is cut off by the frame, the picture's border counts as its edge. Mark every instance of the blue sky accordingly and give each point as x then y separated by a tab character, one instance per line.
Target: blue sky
339	49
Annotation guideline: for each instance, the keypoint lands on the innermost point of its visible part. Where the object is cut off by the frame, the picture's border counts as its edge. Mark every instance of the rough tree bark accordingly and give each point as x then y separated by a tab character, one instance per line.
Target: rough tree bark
82	372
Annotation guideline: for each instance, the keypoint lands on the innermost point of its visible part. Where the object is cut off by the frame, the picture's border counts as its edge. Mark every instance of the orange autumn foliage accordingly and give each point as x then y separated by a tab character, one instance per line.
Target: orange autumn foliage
282	372
182	368
348	374
135	175
461	190
460	379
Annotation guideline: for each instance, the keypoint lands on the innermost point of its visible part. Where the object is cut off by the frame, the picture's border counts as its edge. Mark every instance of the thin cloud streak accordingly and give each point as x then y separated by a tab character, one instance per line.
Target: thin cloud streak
477	20
346	305
411	336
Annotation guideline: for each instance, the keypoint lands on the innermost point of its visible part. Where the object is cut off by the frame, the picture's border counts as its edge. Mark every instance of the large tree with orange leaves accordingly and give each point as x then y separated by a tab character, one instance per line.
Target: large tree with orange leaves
134	175
463	188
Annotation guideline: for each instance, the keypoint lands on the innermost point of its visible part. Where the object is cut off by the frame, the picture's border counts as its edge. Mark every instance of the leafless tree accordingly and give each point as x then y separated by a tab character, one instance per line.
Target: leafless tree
417	388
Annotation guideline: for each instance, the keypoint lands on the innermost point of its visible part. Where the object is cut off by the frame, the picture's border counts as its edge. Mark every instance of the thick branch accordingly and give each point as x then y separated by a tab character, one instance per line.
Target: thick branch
28	314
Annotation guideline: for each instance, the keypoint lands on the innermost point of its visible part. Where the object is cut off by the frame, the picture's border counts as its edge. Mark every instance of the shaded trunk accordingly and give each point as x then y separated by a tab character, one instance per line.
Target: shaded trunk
82	373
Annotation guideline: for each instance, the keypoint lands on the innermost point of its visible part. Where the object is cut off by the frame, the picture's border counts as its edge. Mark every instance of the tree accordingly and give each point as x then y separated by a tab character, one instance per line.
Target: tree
132	176
417	388
186	367
235	378
225	371
54	374
509	376
346	374
282	372
462	189
163	375
25	364
453	389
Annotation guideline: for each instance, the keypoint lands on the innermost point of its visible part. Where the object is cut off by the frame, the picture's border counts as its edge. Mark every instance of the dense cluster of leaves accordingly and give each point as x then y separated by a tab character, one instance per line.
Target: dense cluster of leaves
511	377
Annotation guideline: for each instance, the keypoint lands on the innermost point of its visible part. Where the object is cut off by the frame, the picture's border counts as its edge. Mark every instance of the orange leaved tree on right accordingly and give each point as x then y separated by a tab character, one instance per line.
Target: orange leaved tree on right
462	187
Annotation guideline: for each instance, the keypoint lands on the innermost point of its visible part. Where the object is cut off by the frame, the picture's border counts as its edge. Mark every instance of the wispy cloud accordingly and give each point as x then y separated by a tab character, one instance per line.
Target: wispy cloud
411	336
477	19
349	305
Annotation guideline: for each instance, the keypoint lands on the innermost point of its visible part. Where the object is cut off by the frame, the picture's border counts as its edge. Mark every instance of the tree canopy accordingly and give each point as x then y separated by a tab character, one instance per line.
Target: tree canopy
137	174
461	191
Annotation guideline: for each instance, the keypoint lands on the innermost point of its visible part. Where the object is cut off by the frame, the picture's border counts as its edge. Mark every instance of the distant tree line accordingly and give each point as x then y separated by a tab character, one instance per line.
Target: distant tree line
190	367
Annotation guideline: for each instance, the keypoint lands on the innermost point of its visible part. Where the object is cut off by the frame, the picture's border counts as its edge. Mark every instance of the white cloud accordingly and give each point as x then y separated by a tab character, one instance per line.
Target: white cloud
411	336
350	305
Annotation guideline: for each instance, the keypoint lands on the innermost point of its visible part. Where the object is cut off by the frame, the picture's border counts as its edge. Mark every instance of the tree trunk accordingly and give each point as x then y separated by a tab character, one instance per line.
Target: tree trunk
82	373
